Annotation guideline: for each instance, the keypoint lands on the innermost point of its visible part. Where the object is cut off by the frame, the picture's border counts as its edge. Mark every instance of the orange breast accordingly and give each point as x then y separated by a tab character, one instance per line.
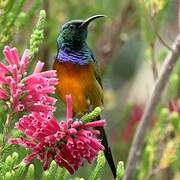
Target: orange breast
79	81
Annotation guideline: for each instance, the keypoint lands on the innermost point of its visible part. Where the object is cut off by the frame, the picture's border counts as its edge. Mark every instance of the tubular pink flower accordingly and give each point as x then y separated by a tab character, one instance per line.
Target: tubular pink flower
50	73
3	94
26	92
24	61
69	107
3	68
8	55
41	108
68	142
39	67
15	55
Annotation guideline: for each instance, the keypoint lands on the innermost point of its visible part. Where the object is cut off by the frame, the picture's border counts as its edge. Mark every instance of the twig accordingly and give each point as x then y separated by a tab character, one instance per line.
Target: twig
144	124
154	172
158	35
153	62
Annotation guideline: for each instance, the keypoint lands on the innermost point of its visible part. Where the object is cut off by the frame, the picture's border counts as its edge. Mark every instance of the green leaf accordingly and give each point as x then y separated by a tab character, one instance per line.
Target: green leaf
52	169
8	164
61	174
8	176
120	170
15	157
175	118
30	172
37	35
51	172
96	173
20	171
46	175
92	115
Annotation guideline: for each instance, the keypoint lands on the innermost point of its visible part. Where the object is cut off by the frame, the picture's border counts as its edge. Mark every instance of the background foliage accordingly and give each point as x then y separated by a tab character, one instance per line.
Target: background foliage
130	45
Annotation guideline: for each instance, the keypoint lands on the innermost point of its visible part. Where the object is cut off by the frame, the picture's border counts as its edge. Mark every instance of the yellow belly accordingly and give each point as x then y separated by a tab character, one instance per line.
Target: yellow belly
80	82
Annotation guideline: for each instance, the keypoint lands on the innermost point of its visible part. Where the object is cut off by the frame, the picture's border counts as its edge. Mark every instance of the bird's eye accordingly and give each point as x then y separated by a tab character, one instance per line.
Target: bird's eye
72	27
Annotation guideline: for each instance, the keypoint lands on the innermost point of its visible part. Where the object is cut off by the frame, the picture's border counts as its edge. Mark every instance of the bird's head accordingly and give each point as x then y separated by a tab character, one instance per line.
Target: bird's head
73	34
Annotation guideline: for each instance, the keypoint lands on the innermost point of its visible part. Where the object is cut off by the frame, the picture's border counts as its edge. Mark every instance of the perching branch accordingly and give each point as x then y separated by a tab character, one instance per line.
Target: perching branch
144	124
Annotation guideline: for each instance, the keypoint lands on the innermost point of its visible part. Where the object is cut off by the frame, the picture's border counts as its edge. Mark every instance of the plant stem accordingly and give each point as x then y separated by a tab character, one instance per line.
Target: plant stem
153	62
6	131
145	121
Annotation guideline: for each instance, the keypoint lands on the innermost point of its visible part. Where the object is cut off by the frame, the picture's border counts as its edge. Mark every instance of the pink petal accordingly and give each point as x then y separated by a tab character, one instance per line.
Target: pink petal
76	124
53	81
33	79
3	94
4	68
72	131
54	123
85	133
41	108
8	55
29	158
24	61
3	80
47	90
39	67
12	86
95	144
69	111
94	124
15	73
50	73
15	56
16	98
21	141
20	107
51	100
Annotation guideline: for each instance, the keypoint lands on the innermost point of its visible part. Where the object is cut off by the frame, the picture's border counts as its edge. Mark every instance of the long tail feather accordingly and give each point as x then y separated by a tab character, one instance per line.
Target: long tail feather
107	150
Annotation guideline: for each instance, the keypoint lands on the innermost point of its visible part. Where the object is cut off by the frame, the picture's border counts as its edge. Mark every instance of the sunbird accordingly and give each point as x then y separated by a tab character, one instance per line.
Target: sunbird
78	74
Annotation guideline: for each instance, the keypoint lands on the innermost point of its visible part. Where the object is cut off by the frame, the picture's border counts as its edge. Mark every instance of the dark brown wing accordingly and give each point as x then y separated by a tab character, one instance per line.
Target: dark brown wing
98	77
97	73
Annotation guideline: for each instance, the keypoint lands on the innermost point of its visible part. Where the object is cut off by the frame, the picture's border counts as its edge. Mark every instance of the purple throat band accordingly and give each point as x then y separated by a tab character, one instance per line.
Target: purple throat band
76	57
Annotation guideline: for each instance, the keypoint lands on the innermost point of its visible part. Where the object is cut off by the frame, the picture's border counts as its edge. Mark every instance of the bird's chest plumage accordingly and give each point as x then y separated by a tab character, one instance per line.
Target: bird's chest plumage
80	82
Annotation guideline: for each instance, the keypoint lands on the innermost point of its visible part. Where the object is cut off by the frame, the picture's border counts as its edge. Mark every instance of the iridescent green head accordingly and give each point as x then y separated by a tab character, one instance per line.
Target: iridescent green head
71	42
74	33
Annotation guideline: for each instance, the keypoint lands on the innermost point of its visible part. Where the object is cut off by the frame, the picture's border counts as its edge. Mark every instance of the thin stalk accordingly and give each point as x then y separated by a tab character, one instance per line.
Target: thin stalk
153	62
6	131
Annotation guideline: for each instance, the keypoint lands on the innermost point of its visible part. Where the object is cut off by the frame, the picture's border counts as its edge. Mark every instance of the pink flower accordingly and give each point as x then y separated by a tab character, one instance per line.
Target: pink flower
174	105
67	142
135	117
26	92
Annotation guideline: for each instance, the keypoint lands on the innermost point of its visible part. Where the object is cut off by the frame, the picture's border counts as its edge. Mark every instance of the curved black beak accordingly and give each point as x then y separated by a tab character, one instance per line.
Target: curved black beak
90	19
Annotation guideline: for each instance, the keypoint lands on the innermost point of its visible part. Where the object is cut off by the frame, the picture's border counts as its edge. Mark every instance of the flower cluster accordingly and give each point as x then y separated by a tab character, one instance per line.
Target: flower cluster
67	142
30	93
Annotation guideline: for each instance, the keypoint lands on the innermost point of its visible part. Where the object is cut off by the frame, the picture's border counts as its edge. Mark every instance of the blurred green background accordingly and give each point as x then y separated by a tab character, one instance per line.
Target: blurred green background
125	43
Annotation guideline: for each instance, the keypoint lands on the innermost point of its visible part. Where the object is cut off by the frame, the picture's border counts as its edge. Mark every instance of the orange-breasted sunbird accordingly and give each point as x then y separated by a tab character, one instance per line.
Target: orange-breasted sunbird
78	75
